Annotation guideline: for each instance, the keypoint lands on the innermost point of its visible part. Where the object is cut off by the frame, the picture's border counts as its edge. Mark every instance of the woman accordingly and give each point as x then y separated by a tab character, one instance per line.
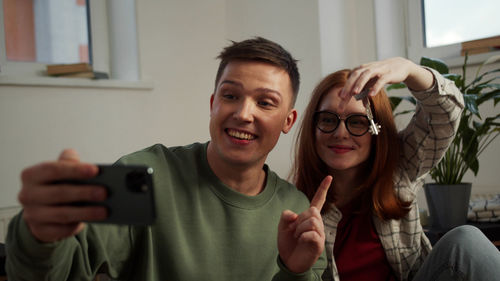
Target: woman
371	216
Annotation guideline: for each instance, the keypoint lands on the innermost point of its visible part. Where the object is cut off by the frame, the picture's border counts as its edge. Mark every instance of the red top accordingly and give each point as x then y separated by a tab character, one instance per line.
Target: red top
358	252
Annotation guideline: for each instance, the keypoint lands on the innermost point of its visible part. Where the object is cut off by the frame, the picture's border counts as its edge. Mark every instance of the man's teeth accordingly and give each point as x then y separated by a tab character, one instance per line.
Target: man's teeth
241	135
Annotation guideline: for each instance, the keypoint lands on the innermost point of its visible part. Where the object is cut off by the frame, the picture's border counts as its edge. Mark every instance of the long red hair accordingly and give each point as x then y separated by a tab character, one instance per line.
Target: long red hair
377	190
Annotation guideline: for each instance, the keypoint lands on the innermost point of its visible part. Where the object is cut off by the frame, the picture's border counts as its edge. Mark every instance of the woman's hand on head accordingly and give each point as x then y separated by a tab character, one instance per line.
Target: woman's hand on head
375	75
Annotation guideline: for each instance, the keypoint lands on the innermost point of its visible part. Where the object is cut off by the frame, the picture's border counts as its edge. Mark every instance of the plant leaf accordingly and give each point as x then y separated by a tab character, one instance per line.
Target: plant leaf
484	85
471	104
410	99
436	64
491	119
471	145
480	77
482	128
395	101
488	96
453	77
474	165
396	86
492	59
404	112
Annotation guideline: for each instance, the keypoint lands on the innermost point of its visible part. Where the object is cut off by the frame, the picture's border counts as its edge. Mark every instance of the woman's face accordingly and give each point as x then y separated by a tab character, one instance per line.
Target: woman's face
340	150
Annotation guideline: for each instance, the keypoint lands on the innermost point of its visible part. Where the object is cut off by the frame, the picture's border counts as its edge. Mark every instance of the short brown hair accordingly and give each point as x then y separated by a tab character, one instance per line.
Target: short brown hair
262	50
377	190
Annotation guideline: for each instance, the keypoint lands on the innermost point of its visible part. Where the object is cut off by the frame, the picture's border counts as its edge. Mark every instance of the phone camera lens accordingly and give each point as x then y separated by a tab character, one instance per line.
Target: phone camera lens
136	182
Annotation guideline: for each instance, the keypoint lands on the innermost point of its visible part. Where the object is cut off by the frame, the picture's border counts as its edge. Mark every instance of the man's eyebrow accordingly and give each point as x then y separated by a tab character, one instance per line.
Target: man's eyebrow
267	90
240	85
231	82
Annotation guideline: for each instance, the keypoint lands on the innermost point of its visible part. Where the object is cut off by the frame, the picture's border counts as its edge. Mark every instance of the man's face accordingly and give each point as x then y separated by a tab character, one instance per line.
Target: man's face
248	112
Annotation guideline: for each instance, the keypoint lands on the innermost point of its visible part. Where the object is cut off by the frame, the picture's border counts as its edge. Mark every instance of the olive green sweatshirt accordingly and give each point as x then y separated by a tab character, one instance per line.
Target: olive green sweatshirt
204	230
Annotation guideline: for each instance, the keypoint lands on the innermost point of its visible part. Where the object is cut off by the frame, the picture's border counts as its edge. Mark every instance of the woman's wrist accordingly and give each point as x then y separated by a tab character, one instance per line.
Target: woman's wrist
420	79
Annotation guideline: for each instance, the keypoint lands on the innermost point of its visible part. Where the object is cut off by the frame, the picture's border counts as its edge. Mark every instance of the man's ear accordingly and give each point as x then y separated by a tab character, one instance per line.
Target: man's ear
211	102
289	121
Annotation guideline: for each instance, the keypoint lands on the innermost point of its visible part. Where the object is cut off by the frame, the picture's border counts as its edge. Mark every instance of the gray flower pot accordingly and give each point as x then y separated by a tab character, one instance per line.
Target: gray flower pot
448	204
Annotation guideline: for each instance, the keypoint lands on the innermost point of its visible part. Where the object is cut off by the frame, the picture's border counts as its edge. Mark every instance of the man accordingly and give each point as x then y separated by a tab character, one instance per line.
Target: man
218	204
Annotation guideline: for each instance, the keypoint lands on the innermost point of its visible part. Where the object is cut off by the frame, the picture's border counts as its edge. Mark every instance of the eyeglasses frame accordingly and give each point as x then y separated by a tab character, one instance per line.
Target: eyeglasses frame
317	113
374	127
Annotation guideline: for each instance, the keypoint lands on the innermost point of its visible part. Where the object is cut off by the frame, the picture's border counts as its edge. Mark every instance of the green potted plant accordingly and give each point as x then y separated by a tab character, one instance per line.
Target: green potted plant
474	135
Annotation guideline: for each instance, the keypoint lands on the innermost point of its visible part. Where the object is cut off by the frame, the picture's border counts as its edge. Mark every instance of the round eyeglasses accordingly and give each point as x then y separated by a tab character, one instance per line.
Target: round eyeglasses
356	124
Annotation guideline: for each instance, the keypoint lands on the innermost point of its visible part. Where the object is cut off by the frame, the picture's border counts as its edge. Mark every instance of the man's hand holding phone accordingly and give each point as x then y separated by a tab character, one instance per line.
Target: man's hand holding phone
59	196
47	208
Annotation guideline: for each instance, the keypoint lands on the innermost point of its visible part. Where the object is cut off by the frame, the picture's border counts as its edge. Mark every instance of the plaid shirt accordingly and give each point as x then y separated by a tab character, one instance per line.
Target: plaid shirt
425	141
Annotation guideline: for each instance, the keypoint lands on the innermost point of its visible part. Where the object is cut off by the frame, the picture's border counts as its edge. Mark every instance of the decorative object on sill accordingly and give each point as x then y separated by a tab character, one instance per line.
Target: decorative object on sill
484	209
475	133
87	74
59	69
75	70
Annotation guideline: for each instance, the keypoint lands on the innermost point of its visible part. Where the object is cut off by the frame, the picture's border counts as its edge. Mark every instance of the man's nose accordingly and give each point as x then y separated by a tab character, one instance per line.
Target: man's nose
245	111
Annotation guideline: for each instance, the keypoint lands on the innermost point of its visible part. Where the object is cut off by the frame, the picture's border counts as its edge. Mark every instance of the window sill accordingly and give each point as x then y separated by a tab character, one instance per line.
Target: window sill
6	80
475	59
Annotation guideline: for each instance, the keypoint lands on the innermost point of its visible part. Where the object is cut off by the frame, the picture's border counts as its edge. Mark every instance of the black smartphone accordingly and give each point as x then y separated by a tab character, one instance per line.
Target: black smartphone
130	193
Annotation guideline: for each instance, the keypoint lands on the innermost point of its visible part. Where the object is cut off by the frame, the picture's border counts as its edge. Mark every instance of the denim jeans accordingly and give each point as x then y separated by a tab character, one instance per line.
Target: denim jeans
463	253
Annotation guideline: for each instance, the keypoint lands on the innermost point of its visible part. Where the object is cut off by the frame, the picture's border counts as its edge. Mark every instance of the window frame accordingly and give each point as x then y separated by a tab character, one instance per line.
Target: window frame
415	41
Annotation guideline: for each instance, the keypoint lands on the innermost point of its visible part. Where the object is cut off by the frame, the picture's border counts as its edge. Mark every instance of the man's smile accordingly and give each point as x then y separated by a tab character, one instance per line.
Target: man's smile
240	134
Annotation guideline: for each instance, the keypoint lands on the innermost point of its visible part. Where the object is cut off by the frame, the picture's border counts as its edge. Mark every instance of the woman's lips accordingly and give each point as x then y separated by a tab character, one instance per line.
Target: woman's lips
340	149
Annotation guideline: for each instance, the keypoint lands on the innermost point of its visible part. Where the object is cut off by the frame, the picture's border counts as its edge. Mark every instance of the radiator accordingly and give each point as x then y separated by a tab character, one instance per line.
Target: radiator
6	214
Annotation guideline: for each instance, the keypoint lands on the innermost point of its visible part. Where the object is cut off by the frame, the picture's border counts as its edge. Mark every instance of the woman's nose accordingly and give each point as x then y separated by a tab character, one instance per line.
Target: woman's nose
341	131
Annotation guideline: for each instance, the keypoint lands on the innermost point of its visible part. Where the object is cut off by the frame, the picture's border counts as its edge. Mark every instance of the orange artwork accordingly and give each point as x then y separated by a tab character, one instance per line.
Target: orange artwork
19	30
83	50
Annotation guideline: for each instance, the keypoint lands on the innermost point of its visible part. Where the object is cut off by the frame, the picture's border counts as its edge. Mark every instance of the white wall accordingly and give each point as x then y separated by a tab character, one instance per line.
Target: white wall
178	43
347	34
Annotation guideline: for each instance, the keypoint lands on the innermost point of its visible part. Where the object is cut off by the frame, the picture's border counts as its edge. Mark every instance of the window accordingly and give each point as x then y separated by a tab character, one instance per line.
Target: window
436	28
109	41
48	31
449	22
